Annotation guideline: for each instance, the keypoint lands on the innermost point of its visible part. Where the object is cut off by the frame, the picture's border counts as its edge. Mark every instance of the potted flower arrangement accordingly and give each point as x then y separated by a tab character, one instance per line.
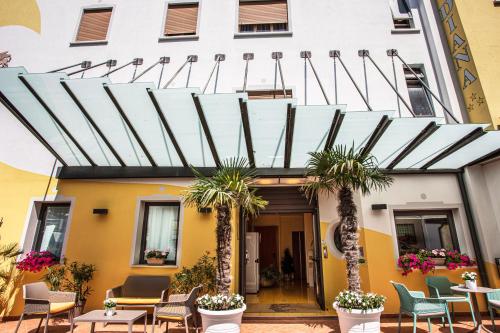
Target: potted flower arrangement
438	256
230	187
109	307
411	261
155	257
470	279
357	309
346	171
221	310
36	261
268	277
455	259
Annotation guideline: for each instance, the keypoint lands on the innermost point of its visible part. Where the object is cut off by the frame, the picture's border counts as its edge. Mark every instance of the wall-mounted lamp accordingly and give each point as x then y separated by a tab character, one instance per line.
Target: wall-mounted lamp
100	211
205	210
379	206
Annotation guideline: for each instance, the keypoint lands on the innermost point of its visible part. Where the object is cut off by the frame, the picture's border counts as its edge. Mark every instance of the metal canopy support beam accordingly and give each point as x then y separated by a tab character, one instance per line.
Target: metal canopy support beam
475	134
246	130
247	57
168	128
190	59
85	64
183	172
334	129
290	123
57	120
206	129
307	55
376	135
485	158
92	122
163	61
110	62
15	112
136	62
421	137
129	124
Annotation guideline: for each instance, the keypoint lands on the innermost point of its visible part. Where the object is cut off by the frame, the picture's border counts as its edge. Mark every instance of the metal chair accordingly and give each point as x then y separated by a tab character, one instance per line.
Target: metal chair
439	287
40	301
416	305
178	308
493	303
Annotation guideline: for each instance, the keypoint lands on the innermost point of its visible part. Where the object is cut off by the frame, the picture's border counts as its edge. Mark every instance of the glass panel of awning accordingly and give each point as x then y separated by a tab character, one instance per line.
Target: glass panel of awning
223	115
180	112
397	136
441	139
17	93
139	109
311	129
267	120
478	148
49	88
91	94
358	126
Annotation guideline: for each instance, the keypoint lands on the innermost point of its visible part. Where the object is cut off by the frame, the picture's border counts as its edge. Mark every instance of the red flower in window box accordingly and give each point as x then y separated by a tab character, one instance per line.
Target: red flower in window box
36	261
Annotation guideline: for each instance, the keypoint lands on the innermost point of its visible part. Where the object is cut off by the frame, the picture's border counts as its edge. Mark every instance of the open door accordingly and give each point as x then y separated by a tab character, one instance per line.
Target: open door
252	262
318	262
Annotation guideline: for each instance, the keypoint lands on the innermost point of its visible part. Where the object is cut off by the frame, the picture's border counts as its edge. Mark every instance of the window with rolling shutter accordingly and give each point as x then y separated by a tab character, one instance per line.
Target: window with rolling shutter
94	25
263	16
181	19
268	94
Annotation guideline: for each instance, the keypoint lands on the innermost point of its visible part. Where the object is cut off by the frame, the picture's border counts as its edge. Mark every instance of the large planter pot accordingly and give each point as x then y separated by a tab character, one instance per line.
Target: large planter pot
155	261
266	283
228	321
438	261
80	305
358	320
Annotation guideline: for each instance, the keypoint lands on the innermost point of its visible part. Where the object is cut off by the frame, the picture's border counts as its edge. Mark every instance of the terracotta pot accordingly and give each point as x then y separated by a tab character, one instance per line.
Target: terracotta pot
438	261
354	321
155	261
228	321
266	283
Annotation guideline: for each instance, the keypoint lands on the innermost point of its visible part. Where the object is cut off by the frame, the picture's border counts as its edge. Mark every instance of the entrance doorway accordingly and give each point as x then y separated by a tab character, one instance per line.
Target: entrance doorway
281	270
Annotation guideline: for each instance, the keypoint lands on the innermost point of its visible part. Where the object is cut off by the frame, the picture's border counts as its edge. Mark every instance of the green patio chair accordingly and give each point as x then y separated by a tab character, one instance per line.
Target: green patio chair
493	303
439	287
416	305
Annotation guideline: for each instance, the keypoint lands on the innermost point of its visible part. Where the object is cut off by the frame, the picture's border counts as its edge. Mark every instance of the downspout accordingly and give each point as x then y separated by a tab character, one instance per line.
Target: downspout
473	229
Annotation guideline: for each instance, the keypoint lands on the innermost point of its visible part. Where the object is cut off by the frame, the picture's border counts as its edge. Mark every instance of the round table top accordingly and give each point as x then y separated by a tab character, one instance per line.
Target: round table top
481	290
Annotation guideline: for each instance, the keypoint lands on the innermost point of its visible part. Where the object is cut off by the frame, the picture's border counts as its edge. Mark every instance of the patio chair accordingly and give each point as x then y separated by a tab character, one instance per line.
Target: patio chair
416	305
140	291
178	308
40	301
439	287
493	303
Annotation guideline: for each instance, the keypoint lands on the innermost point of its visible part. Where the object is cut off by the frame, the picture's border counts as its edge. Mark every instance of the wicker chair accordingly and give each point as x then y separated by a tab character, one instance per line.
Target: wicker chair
178	308
493	303
439	287
40	301
416	305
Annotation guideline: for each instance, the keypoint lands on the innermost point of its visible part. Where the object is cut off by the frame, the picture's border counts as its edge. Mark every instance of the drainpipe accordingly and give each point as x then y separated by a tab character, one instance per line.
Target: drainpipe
473	229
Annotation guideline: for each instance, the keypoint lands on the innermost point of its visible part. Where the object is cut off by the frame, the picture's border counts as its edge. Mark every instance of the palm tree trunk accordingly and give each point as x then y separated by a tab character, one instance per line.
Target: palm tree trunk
349	237
223	249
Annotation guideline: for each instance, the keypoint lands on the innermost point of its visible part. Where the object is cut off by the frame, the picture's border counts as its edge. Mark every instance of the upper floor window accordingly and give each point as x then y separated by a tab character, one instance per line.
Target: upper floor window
419	97
417	230
160	230
401	14
182	19
263	16
94	25
51	228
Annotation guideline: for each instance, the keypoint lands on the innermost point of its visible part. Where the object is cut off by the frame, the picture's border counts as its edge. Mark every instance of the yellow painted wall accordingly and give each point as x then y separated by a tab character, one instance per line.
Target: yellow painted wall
20	12
473	34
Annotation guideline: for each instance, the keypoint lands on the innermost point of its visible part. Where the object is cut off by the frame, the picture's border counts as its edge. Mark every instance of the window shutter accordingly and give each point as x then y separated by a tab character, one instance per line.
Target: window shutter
94	25
268	94
181	19
263	12
400	9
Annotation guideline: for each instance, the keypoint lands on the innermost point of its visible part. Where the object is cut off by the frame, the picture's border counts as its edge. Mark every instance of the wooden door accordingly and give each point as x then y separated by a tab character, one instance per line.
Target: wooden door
299	255
268	246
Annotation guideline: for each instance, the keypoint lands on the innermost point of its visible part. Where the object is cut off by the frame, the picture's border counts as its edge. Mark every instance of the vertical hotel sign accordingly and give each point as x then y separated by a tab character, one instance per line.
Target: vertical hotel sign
465	68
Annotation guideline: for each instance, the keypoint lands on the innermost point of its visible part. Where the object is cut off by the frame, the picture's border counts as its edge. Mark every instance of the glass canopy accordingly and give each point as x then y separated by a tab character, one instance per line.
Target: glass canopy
96	123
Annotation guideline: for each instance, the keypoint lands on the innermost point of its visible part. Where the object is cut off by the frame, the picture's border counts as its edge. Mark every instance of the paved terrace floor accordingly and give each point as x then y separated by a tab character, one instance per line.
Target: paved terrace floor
462	324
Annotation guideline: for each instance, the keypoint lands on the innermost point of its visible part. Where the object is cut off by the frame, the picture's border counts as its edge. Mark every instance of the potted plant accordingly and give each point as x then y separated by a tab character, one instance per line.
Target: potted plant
155	257
224	310
359	310
202	273
56	276
36	261
80	274
287	266
411	261
268	277
109	307
438	256
470	279
455	259
345	171
230	187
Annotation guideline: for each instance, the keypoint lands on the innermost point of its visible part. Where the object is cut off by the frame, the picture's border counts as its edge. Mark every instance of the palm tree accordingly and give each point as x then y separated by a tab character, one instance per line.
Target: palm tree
8	254
343	172
229	187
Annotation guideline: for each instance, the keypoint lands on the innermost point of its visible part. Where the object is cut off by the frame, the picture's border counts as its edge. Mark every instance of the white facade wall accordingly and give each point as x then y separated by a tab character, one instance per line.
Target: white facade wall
317	26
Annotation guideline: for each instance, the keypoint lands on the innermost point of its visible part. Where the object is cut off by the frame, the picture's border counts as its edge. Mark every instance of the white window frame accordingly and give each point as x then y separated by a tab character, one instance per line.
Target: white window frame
196	36
238	34
139	221
27	240
415	17
74	42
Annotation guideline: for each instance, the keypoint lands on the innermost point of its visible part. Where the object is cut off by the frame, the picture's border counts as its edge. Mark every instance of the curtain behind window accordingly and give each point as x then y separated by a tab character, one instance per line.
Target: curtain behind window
162	230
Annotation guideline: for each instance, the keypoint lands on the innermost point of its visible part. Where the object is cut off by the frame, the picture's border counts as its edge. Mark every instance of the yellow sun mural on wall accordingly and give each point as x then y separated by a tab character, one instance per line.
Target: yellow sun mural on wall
20	12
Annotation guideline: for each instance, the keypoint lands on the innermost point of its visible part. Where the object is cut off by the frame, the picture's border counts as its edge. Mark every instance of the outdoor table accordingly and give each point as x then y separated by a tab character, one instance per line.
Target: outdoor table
120	317
477	312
